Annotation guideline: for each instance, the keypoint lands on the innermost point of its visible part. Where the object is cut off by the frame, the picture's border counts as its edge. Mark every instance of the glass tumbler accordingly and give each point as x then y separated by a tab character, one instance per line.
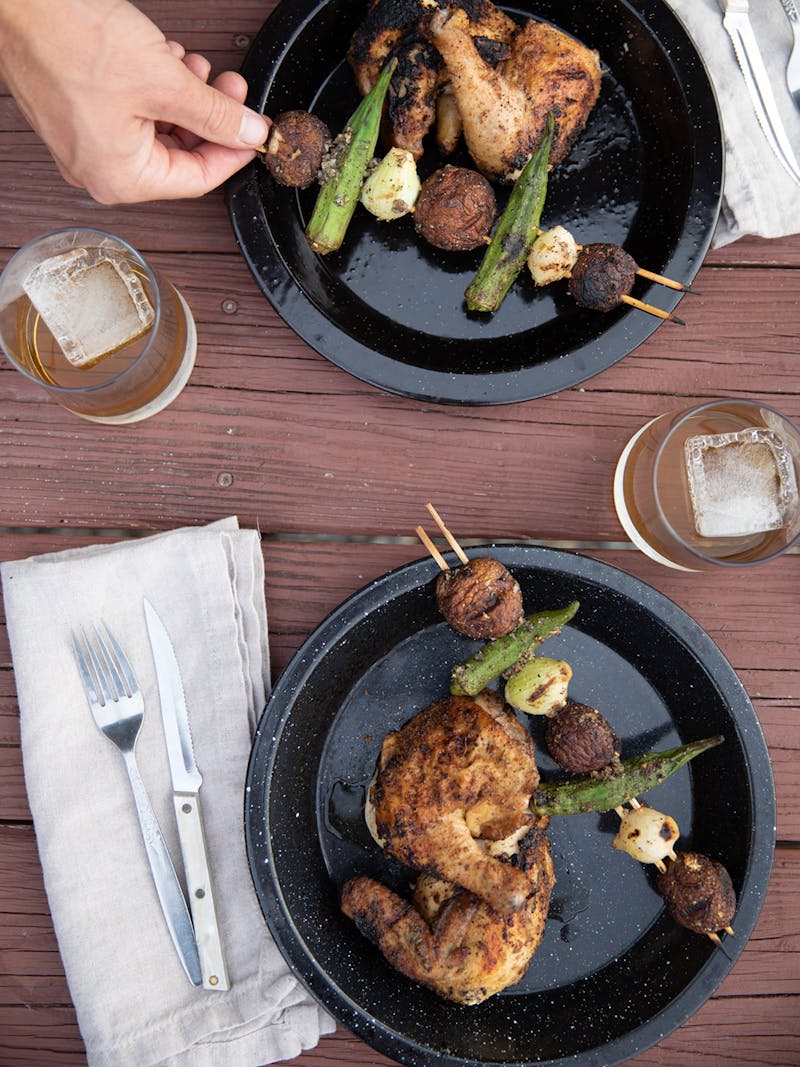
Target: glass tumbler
711	486
84	316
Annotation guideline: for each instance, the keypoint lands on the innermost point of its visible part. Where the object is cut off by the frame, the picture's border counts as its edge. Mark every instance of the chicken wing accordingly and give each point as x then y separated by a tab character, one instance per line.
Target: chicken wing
455	772
504	108
450	940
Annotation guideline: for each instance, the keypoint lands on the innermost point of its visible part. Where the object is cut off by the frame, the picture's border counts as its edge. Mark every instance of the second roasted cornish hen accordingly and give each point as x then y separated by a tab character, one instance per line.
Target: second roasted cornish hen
459	770
448	939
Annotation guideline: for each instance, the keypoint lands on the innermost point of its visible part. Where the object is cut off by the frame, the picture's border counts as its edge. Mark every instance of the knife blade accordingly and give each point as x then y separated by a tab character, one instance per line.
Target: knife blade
186	782
736	20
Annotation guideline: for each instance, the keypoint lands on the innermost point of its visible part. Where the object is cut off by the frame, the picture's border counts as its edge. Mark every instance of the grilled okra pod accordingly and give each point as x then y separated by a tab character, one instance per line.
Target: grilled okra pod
489	662
338	197
637	776
516	232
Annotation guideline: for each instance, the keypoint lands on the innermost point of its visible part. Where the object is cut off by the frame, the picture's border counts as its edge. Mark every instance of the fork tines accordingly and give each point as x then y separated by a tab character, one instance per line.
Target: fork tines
102	685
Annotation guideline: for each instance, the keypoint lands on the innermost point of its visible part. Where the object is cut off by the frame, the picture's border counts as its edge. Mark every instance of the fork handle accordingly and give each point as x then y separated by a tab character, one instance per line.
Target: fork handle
168	888
790	7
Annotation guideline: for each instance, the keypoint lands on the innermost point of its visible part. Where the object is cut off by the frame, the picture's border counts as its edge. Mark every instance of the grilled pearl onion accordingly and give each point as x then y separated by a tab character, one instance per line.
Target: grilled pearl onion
392	189
553	256
540	686
647	835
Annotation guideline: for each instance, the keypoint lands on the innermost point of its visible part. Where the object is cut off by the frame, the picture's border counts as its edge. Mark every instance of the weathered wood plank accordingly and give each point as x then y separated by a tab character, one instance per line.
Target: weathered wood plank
252	435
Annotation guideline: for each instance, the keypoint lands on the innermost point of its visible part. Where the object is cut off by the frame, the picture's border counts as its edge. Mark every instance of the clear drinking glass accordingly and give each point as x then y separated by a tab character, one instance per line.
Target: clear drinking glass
84	316
710	486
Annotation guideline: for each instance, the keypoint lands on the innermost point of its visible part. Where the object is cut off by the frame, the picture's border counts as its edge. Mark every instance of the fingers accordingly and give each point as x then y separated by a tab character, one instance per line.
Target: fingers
176	173
215	116
198	65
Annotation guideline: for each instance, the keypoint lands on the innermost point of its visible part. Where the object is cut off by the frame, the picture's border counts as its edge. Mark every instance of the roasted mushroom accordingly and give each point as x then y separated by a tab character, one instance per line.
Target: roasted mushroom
698	893
456	209
602	275
581	741
295	147
480	599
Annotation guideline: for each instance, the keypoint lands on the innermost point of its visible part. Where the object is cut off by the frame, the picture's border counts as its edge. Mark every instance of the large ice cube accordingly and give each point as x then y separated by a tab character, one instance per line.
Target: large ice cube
91	301
740	483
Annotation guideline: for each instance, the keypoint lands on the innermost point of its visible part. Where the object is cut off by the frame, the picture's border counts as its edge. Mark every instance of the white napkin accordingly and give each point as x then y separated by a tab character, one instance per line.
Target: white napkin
759	197
134	1003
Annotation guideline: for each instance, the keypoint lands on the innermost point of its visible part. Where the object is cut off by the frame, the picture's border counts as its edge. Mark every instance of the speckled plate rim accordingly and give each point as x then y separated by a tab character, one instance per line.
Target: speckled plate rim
629	329
323	642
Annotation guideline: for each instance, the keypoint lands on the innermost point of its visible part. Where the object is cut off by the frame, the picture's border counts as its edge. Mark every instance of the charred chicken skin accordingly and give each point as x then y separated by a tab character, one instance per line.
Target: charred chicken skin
504	108
390	29
461	769
450	940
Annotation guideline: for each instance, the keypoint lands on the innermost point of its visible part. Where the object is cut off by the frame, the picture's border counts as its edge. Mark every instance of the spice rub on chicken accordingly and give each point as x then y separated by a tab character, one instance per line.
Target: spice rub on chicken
448	939
390	29
462	769
504	108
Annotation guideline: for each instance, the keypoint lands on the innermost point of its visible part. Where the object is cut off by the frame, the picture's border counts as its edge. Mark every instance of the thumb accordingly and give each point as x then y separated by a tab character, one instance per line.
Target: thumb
214	116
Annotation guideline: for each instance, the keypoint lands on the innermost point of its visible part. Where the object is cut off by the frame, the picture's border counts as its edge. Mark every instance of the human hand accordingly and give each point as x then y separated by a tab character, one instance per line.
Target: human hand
126	114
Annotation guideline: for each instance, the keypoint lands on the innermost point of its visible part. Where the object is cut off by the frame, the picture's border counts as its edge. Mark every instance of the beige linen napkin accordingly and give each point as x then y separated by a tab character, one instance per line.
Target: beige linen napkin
135	1006
759	197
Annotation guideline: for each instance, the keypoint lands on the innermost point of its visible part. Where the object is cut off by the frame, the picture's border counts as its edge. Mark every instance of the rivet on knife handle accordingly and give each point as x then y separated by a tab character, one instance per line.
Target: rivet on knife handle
199	891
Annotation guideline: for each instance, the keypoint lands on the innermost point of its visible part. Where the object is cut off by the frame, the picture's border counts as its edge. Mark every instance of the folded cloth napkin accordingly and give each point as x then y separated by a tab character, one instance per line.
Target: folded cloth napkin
134	1003
759	197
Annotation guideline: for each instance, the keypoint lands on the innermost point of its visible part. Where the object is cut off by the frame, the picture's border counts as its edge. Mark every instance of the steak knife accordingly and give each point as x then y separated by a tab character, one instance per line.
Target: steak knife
186	782
736	21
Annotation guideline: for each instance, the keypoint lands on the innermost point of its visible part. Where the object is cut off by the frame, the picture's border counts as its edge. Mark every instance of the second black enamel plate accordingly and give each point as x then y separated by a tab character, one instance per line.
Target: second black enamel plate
614	973
388	308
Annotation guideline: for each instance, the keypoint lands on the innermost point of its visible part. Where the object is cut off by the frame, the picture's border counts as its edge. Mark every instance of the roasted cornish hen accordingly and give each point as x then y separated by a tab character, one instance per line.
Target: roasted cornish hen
504	108
450	940
459	770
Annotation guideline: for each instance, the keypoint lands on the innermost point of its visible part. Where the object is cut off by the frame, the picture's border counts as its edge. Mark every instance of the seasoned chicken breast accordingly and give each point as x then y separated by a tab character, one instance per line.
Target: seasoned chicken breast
455	772
450	940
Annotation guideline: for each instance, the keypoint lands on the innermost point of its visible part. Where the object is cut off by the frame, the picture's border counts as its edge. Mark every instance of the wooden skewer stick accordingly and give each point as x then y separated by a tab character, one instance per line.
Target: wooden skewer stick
651	310
653	277
262	149
456	547
431	547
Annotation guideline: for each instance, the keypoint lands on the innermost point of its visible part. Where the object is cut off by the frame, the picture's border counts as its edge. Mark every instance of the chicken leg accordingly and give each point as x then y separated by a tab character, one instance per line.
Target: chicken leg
504	109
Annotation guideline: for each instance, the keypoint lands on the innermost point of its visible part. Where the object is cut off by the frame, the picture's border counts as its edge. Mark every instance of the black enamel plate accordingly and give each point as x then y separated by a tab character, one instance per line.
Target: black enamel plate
388	308
614	973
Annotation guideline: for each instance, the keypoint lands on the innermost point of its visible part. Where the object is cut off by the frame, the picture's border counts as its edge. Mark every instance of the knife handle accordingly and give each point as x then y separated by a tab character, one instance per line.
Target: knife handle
199	891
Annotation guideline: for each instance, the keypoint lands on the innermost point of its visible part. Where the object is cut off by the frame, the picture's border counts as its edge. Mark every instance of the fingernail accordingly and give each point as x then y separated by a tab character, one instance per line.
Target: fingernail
253	129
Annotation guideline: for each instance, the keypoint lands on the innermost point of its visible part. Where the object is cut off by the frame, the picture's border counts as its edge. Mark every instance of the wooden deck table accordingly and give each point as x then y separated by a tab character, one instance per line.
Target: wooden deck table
334	474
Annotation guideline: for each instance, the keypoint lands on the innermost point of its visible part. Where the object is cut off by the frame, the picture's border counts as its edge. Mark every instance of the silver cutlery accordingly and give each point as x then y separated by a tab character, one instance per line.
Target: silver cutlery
793	66
186	782
117	706
736	21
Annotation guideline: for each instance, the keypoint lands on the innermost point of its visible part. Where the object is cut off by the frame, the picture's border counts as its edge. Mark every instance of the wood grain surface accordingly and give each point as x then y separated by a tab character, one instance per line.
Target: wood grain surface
334	474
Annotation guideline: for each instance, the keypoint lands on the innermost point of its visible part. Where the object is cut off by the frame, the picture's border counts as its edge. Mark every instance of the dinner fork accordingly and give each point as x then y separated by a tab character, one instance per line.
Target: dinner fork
117	705
793	68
